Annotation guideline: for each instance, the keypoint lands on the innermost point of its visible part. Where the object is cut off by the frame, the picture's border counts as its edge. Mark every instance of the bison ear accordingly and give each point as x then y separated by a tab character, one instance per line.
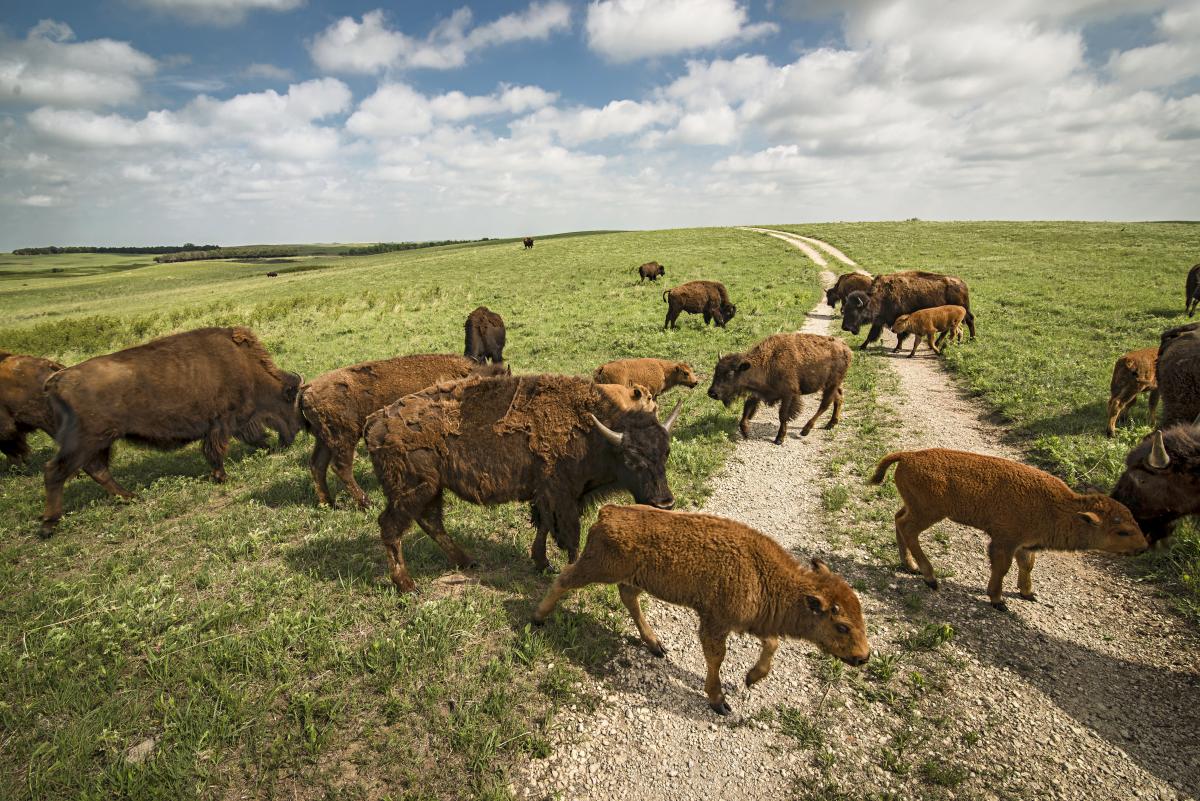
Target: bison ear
1091	518
815	603
636	392
819	566
744	366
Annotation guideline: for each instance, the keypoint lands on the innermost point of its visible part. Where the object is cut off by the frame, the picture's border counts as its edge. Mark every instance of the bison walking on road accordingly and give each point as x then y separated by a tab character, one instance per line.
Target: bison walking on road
709	298
484	336
24	406
903	293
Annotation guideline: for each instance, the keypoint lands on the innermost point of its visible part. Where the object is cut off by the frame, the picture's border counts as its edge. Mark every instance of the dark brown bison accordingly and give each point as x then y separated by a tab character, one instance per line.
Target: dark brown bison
1161	482
528	241
1192	291
23	403
209	384
1133	374
272	274
335	406
484	336
903	293
782	369
1179	374
699	297
651	270
845	284
555	441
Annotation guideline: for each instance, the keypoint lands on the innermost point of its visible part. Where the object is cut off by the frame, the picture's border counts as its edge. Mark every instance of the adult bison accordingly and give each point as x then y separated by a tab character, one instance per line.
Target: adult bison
23	403
1179	374
554	441
1161	482
902	293
484	336
528	242
209	384
709	298
1192	291
845	284
651	270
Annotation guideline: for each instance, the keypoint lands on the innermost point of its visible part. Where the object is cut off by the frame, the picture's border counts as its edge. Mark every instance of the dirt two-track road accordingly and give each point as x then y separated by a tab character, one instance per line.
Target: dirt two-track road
1092	692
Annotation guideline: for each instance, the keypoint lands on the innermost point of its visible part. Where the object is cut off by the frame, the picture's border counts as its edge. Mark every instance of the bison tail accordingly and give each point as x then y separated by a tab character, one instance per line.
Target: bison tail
66	425
881	469
305	421
665	292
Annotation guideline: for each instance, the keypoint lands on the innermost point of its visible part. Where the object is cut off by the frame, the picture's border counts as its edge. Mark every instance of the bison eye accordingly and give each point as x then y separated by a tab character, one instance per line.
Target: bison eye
1124	533
843	628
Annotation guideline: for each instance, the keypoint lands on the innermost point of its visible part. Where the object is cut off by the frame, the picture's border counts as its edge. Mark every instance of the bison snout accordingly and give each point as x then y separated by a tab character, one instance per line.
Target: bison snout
712	393
667	503
855	661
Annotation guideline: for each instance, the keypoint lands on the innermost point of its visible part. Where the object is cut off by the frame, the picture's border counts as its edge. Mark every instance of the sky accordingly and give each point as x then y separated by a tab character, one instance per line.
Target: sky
136	122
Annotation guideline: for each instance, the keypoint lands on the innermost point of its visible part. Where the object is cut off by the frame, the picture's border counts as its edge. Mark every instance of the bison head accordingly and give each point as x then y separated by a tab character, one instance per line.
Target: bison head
856	311
1161	482
831	296
727	311
682	375
644	445
729	376
838	628
279	410
662	270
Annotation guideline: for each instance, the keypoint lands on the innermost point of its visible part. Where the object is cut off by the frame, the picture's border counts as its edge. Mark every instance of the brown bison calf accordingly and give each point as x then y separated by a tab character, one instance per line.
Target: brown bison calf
651	270
656	375
23	403
924	323
845	284
484	336
736	579
782	369
1020	508
335	406
709	298
1132	375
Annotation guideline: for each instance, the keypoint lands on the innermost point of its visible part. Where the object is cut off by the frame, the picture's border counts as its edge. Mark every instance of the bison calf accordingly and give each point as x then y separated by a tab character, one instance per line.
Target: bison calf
1132	375
24	406
782	369
1022	510
484	336
924	323
709	298
736	579
651	270
656	375
845	284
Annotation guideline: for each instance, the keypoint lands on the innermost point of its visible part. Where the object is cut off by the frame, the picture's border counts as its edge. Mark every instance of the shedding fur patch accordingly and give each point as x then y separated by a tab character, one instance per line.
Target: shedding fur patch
549	410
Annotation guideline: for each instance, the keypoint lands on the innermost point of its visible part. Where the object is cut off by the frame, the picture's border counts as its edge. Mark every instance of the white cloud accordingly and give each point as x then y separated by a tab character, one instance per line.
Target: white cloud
48	67
1168	62
218	12
38	201
370	46
396	109
625	30
87	128
584	124
268	72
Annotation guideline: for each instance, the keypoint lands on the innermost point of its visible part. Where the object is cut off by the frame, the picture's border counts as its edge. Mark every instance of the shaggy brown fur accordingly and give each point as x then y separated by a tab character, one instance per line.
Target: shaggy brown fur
336	404
924	323
23	403
498	440
209	384
1192	291
651	270
781	369
1178	373
1133	374
1020	508
736	579
903	293
1158	496
845	284
528	242
709	298
484	336
657	375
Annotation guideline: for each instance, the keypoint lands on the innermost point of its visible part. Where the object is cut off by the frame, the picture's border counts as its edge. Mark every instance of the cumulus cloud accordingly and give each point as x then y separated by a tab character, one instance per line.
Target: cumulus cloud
581	124
626	30
218	12
370	46
1167	62
396	109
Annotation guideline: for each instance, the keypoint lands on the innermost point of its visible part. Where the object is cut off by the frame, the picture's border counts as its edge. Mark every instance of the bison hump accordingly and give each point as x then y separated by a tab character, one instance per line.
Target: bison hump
549	410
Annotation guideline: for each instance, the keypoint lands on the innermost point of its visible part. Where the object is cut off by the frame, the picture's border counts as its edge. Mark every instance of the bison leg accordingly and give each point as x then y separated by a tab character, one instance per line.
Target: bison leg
836	416
970	321
873	334
61	467
763	666
913	352
392	525
318	466
430	521
1001	559
573	577
789	407
1152	402
12	439
216	445
1117	406
97	468
1025	560
712	642
629	597
828	397
672	316
909	525
343	467
748	411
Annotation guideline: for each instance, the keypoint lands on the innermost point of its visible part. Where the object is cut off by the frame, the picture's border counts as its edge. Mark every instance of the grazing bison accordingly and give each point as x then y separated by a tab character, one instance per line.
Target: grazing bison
272	274
554	441
1133	374
699	297
528	241
1179	374
651	270
1022	510
484	336
1161	482
1192	291
736	579
335	406
902	293
657	375
845	284
209	384
23	403
924	323
781	369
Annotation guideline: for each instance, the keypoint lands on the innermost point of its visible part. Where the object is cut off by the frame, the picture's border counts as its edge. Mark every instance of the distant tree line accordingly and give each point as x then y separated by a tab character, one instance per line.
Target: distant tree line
55	249
247	252
391	247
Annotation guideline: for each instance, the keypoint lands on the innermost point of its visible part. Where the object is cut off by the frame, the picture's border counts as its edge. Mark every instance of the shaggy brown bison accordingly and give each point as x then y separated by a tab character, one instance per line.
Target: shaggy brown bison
23	403
651	270
736	579
902	293
1133	374
209	384
484	336
1022	510
845	284
1192	291
335	406
656	375
781	369
554	441
1161	482
528	242
1179	374
699	297
923	324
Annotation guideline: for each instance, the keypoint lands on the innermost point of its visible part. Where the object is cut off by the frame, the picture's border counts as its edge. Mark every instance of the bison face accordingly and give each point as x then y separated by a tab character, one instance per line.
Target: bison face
281	411
683	375
838	629
1109	526
644	444
856	311
831	297
729	378
662	270
728	310
1159	489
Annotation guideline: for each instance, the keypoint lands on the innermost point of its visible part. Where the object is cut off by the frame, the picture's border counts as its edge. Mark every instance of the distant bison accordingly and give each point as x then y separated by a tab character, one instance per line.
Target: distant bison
845	284
528	241
944	321
484	336
335	406
651	270
782	369
209	384
1192	291
709	298
657	375
1161	482
555	441
1178	374
24	406
272	274
1133	374
902	293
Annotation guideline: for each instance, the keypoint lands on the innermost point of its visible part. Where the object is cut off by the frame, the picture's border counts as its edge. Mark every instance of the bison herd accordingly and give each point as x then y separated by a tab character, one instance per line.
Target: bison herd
434	423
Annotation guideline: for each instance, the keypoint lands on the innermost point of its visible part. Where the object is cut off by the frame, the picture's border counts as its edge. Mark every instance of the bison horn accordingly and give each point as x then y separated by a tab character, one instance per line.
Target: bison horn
1196	422
1158	453
609	434
674	415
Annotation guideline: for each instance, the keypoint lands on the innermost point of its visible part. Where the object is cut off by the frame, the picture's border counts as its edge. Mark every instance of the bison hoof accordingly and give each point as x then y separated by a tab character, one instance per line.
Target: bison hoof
1000	606
779	440
1030	597
720	707
753	678
804	432
537	621
657	649
47	529
931	583
219	477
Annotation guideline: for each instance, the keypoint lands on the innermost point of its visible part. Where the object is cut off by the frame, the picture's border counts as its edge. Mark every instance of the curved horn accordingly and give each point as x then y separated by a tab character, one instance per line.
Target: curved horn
1158	458
1196	422
609	434
674	415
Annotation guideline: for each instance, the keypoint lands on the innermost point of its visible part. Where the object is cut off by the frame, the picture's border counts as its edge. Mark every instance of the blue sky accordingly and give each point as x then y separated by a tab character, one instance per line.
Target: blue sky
148	121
